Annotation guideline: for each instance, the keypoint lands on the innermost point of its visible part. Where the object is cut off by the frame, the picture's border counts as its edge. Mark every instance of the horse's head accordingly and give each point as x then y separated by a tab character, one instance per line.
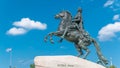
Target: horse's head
63	15
66	20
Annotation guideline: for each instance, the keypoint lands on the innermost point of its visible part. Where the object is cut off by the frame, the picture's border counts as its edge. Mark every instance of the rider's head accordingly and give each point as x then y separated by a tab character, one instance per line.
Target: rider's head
79	10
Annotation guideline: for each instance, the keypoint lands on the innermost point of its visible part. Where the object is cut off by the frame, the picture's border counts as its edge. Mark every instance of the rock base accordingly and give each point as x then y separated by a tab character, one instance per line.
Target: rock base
63	62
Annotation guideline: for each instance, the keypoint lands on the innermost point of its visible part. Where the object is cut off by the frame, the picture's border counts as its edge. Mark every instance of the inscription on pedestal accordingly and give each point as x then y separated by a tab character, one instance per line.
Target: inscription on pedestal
65	65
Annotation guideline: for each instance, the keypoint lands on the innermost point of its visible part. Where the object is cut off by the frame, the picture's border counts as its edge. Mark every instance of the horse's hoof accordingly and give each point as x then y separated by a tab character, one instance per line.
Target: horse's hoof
84	57
78	55
52	42
62	37
60	40
45	40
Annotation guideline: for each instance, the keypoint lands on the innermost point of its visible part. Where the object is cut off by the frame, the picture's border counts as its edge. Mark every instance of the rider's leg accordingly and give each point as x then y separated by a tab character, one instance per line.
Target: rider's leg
64	32
68	27
63	35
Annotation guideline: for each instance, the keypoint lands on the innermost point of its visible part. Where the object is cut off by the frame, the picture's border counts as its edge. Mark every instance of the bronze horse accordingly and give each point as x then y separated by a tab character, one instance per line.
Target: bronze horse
81	40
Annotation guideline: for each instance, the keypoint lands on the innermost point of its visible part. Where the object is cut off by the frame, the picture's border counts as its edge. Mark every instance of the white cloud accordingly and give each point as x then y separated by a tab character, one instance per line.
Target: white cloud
113	4
16	31
8	49
25	25
109	3
109	31
116	17
30	24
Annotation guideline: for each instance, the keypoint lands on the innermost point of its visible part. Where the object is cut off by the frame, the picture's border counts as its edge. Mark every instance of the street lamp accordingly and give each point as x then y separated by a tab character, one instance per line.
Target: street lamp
9	50
10	59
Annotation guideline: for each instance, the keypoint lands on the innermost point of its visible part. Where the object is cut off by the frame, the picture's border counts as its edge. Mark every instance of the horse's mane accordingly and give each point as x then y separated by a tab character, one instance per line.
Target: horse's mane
66	12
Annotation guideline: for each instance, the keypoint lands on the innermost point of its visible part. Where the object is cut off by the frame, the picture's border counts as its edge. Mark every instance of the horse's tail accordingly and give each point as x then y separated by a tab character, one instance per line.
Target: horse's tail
102	59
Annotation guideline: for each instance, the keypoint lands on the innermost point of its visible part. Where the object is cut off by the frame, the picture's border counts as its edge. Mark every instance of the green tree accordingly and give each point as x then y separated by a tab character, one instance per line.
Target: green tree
14	67
112	66
32	65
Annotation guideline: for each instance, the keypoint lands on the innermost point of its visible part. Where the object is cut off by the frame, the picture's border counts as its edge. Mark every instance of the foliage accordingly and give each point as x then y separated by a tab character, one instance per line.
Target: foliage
112	66
14	67
32	65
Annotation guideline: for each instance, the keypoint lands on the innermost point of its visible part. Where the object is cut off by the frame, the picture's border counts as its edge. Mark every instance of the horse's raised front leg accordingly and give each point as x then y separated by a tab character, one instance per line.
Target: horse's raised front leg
57	33
49	36
46	37
51	39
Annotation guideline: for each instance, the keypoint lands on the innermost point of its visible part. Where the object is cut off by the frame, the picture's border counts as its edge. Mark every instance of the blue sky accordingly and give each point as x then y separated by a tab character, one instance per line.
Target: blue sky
24	23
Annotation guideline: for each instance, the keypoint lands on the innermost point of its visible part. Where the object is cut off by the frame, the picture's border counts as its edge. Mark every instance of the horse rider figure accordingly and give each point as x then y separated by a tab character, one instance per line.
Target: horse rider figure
77	23
74	31
78	20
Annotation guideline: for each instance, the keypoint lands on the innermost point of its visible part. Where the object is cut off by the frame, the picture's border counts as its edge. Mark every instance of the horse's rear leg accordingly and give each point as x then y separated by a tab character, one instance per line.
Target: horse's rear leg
82	45
87	51
79	49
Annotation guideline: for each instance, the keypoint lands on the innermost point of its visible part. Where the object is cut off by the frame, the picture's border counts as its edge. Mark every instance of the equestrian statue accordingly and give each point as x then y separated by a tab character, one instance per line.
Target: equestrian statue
72	30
